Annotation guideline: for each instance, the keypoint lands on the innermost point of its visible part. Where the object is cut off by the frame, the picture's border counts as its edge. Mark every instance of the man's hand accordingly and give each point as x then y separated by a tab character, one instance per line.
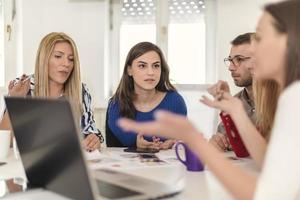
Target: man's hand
219	87
220	141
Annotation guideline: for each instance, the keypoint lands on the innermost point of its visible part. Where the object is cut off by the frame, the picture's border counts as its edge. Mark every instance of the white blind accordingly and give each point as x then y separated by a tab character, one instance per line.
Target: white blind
186	11
181	11
138	11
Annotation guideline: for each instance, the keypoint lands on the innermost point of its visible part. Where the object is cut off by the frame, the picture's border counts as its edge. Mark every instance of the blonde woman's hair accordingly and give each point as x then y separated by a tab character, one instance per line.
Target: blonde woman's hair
266	93
73	86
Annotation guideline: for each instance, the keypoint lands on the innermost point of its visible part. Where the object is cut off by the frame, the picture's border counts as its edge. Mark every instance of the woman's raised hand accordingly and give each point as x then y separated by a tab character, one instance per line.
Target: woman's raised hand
166	124
19	88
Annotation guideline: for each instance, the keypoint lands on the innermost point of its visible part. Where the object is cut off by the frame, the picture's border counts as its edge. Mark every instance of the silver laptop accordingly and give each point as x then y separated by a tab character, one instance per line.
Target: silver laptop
50	149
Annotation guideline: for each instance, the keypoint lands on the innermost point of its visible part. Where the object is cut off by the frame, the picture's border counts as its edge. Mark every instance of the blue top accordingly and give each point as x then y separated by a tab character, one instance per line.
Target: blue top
172	102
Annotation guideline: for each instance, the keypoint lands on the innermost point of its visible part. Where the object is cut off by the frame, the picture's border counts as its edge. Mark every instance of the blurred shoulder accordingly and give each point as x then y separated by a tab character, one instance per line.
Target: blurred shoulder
291	93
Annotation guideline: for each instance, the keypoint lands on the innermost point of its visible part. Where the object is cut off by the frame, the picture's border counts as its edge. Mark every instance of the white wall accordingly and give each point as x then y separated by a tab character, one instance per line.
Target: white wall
234	17
85	21
9	42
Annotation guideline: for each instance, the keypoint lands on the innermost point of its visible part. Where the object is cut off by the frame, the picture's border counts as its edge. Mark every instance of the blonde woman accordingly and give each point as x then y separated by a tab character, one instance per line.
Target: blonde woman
57	75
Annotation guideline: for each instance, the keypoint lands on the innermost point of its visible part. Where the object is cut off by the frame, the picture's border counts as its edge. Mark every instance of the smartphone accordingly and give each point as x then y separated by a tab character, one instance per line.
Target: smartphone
141	150
149	158
2	163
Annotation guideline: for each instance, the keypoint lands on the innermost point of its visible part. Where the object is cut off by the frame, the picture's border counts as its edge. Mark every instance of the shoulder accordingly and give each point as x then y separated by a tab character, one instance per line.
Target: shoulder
113	105
176	98
291	92
175	102
288	110
86	96
289	100
174	95
84	88
284	141
85	92
113	109
290	96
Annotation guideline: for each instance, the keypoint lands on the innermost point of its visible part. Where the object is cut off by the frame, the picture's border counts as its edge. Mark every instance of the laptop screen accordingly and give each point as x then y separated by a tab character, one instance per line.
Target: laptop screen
44	131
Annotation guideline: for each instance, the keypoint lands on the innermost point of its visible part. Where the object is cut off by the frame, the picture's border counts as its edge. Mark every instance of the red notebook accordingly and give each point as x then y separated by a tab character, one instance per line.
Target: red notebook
234	137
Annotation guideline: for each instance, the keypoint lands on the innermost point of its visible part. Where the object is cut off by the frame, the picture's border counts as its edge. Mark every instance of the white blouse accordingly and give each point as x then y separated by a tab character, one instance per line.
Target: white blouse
280	177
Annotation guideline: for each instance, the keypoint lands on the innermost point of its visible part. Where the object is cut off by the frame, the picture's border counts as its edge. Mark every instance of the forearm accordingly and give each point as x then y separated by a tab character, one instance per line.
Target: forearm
252	139
5	122
239	183
5	125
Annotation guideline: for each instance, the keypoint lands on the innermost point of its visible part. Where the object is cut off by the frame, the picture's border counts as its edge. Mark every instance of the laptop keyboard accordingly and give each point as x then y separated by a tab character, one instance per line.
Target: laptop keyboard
112	191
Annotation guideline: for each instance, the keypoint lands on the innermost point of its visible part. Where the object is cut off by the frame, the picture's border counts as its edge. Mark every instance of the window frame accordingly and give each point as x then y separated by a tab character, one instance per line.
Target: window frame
9	40
2	47
162	22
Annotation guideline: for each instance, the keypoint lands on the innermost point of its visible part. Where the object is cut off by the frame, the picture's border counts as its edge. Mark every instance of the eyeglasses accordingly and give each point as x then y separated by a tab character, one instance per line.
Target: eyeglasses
236	60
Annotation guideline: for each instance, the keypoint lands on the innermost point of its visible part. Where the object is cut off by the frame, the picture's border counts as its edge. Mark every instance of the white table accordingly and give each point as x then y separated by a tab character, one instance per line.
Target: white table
12	169
199	185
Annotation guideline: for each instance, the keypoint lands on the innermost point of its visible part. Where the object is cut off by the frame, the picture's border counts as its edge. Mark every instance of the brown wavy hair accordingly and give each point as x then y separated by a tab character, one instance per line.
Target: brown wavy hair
125	95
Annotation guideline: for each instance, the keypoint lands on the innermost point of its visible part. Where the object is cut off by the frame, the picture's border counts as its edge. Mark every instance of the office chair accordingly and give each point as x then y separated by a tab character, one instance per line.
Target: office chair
111	139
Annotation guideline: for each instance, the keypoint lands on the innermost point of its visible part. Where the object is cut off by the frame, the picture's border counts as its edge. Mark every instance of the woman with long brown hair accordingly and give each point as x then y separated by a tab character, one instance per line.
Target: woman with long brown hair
144	88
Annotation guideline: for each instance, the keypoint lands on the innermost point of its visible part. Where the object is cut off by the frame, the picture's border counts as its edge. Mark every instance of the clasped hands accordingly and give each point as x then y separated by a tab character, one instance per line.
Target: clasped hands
155	144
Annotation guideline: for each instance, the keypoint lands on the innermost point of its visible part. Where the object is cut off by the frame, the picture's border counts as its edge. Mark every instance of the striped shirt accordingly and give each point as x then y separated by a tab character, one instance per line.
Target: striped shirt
87	122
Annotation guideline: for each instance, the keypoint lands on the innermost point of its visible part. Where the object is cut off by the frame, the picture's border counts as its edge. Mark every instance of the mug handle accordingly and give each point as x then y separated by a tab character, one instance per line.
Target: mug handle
177	154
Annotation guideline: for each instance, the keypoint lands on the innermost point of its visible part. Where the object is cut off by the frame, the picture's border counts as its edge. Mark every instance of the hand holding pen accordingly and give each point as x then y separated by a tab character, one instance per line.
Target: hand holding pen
20	86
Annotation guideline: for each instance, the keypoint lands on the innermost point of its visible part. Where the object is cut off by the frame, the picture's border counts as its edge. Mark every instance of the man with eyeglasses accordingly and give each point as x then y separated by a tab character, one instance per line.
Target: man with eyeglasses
239	62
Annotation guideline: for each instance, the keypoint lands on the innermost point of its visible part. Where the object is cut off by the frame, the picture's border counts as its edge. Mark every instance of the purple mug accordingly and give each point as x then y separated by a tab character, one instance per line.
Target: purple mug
191	161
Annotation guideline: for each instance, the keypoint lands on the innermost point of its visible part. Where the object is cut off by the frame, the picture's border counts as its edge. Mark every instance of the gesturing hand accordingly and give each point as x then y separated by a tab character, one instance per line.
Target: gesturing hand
20	88
166	124
225	102
217	89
